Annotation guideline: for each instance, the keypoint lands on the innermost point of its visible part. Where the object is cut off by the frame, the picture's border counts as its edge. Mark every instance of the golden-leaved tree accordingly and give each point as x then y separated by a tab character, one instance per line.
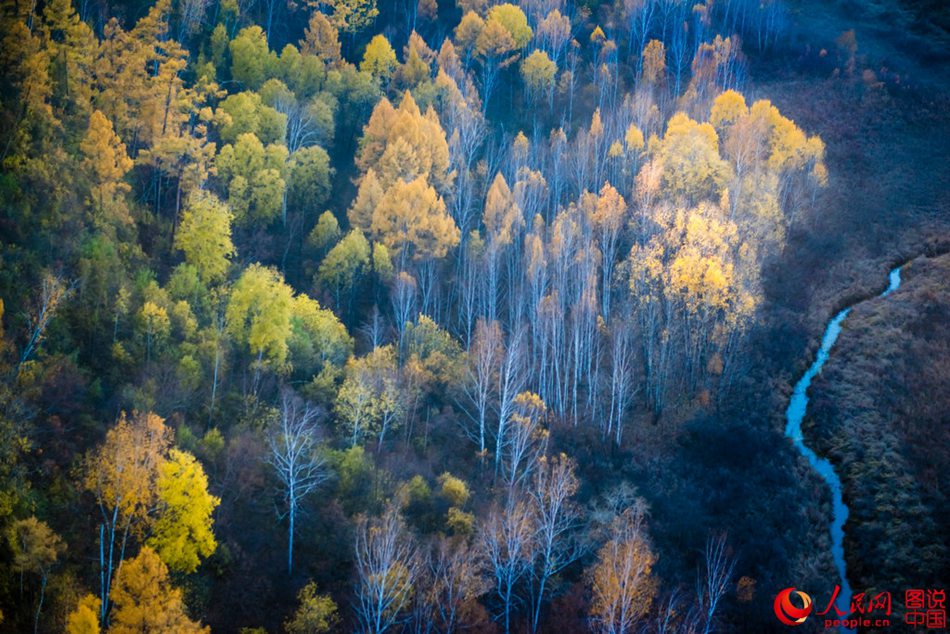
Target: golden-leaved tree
85	618
182	535
107	163
394	136
122	474
777	167
146	601
622	581
143	488
349	16
503	220
321	39
695	282
714	200
688	155
404	156
411	221
316	613
608	214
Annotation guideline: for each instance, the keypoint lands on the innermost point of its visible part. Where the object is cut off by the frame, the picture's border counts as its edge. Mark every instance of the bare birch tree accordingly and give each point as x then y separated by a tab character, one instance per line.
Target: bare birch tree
556	520
512	377
713	581
621	376
526	439
485	356
458	578
293	456
506	541
386	568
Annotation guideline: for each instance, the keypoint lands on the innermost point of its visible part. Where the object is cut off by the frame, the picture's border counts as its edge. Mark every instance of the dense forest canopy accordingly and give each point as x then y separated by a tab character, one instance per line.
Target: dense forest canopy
335	315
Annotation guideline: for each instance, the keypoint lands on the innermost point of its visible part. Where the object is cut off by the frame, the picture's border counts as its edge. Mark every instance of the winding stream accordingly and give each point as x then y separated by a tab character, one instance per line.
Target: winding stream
793	429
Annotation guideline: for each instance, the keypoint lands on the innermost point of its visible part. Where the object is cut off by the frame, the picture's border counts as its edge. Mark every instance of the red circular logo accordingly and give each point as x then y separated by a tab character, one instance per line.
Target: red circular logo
787	612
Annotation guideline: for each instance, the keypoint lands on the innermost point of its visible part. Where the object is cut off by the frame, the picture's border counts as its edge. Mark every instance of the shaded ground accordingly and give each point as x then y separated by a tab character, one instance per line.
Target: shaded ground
911	37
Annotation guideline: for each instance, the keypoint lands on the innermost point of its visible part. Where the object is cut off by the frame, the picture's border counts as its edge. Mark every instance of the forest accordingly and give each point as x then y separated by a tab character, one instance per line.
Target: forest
462	315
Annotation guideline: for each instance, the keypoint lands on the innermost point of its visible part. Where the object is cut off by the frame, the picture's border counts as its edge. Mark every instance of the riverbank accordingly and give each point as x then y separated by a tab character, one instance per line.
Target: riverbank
889	165
879	412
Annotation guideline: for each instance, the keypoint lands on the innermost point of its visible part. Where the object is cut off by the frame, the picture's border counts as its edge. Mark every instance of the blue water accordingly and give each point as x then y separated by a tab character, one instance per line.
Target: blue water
793	429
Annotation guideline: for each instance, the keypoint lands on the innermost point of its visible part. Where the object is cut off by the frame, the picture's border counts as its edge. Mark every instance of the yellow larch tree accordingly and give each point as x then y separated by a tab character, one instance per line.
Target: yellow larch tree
321	39
503	220
653	63
106	161
417	66
71	43
468	32
375	134
607	215
411	220
350	16
146	601
502	215
368	196
406	127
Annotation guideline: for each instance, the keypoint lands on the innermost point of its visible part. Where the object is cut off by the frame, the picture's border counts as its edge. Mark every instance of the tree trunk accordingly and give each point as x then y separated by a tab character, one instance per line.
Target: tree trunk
290	540
39	606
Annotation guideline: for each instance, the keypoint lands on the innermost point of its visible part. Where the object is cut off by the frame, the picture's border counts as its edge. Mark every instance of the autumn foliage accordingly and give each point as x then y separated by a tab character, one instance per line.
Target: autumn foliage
348	315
